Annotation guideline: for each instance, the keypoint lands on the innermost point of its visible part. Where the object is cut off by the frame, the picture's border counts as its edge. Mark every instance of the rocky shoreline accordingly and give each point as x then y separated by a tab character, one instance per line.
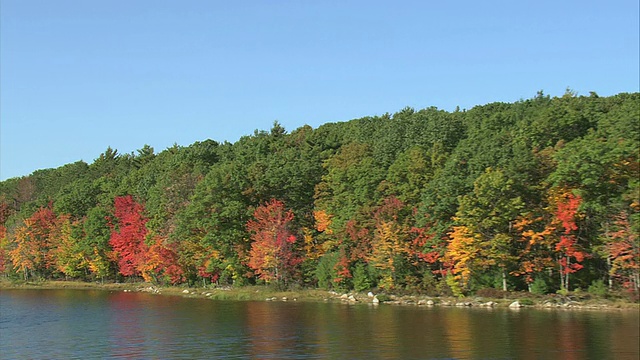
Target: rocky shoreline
546	302
514	301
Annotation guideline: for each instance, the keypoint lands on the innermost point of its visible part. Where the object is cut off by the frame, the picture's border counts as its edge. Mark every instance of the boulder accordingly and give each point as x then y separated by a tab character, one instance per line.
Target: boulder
370	294
375	300
430	303
185	291
515	305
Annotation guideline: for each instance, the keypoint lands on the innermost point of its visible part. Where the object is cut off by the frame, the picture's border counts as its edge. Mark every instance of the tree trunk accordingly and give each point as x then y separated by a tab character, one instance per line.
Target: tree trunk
562	286
568	273
610	279
504	280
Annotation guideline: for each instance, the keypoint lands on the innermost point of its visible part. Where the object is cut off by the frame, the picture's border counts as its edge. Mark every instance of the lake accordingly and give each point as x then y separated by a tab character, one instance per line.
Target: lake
84	324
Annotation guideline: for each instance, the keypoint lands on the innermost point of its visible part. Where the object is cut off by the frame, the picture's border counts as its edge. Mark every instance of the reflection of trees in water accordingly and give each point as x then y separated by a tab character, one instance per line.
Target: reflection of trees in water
459	333
272	329
84	324
144	326
126	335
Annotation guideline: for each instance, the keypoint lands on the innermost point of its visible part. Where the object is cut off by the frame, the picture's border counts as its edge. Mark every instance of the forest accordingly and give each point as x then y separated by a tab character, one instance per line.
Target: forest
539	195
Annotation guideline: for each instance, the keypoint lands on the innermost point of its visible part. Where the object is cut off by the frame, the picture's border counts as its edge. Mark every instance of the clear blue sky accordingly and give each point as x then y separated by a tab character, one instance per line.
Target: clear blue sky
79	76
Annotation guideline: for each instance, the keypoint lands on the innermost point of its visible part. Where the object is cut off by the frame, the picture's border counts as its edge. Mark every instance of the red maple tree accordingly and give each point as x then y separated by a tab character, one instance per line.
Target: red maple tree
567	247
127	238
271	255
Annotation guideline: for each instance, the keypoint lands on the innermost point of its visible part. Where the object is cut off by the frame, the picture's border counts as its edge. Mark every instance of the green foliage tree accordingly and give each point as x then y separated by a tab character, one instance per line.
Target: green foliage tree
489	213
349	186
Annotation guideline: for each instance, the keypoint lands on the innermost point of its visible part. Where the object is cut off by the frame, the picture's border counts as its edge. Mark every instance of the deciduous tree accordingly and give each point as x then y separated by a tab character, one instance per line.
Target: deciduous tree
31	254
128	235
271	255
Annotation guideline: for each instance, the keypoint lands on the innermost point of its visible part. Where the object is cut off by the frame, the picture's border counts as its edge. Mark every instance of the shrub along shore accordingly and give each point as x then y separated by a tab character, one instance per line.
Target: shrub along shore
497	299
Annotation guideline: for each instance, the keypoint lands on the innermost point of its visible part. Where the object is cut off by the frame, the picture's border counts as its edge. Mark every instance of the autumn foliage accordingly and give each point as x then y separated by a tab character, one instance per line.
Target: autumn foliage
623	249
538	194
570	255
128	236
272	256
32	254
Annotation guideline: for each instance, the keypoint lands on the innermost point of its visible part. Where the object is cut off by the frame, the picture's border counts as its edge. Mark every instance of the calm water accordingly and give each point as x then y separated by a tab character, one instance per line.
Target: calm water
81	324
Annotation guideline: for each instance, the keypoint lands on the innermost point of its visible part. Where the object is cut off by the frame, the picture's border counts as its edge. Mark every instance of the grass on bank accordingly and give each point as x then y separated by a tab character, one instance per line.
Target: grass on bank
256	292
262	293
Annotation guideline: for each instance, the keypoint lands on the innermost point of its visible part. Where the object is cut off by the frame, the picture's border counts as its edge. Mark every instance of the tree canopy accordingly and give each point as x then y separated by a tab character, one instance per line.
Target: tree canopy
501	195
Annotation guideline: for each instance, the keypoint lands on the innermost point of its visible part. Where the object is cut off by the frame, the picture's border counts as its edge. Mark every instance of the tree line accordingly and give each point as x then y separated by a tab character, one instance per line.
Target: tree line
540	195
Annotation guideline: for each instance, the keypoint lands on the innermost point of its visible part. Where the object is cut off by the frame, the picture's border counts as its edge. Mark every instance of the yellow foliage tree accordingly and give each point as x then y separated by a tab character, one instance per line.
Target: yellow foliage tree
389	246
463	252
65	253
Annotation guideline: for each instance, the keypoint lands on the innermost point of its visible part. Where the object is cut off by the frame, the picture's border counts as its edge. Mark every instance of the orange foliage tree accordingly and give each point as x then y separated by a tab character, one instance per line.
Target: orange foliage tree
271	255
162	262
31	255
536	247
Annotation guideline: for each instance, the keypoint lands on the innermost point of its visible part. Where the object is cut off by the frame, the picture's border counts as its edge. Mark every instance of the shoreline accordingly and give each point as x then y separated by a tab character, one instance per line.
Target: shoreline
513	301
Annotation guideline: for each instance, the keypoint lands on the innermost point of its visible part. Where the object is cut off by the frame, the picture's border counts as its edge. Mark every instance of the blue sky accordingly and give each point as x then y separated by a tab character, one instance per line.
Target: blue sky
79	76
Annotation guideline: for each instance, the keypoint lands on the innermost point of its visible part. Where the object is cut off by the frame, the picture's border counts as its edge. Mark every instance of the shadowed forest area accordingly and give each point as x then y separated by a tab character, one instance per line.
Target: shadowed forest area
539	195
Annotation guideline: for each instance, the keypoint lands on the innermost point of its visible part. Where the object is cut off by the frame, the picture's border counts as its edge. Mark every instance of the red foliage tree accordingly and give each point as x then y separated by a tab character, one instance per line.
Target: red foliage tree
567	247
127	238
357	241
623	251
341	269
271	255
427	248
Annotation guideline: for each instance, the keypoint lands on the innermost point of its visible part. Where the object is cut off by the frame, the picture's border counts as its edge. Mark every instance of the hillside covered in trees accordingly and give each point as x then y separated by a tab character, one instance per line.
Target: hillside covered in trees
541	195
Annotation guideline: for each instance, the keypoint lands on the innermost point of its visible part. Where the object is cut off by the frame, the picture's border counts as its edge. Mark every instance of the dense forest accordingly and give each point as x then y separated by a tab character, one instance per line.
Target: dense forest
541	195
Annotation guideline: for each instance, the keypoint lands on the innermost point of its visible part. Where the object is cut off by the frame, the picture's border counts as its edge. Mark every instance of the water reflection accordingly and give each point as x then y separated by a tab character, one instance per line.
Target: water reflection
94	324
126	333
